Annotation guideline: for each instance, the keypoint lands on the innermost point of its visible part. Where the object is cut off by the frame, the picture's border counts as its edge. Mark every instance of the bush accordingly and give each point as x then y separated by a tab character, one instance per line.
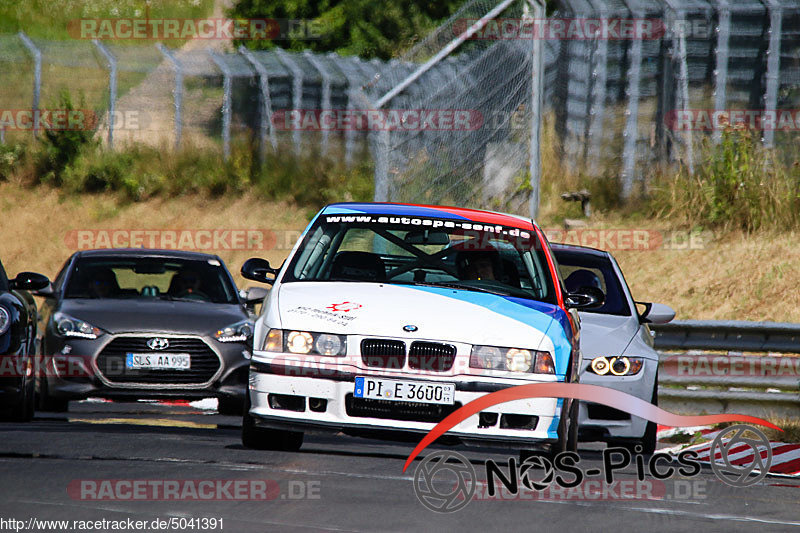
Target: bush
60	148
740	184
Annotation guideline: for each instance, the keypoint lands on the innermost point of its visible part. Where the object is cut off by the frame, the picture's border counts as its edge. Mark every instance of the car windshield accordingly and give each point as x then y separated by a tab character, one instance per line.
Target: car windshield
579	269
424	251
155	278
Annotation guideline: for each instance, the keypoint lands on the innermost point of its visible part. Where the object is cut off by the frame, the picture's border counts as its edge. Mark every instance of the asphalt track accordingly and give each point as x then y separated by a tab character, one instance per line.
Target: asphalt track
335	483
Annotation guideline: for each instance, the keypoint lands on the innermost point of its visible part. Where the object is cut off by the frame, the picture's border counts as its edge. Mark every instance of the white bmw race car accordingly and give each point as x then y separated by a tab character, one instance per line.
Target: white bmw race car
616	344
386	318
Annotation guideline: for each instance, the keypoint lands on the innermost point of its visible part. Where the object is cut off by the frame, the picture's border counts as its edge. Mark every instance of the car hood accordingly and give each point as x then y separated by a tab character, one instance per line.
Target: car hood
606	335
129	315
353	308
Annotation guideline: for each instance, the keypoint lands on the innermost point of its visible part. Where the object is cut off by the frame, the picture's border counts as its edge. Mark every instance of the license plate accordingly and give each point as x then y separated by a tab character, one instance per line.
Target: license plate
162	361
405	391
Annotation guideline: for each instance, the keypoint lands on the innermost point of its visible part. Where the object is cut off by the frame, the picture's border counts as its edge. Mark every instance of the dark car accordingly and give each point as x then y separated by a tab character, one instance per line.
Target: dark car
18	322
138	324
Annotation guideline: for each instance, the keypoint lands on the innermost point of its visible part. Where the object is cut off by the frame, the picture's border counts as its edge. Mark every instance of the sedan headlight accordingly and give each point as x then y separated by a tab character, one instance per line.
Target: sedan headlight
616	366
305	342
5	320
512	359
239	332
68	326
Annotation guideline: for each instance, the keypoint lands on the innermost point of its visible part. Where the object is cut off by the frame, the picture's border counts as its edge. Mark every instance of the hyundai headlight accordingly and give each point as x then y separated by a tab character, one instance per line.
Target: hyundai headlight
68	326
238	332
512	359
616	366
305	342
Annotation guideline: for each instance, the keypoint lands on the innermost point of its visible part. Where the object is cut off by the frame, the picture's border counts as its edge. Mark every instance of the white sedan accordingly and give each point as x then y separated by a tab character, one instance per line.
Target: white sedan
616	344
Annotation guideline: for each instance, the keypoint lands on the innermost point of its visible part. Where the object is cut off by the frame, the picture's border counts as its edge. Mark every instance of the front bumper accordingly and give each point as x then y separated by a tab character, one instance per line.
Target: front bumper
71	372
602	423
531	422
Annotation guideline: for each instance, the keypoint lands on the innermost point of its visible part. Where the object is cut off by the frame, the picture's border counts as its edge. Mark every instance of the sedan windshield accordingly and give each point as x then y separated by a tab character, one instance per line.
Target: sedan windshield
151	277
586	270
423	251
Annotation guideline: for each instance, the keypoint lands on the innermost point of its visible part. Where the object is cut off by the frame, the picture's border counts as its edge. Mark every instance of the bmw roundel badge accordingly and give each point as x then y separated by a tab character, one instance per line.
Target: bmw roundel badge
410	328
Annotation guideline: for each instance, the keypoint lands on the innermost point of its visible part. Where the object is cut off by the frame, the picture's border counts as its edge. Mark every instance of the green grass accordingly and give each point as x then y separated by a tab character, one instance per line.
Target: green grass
78	164
49	19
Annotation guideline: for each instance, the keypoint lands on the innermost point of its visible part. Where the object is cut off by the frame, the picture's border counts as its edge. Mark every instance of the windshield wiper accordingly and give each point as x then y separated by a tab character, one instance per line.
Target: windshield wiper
452	285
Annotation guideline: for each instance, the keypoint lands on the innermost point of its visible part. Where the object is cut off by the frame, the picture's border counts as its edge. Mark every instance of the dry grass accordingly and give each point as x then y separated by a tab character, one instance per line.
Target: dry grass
35	223
735	276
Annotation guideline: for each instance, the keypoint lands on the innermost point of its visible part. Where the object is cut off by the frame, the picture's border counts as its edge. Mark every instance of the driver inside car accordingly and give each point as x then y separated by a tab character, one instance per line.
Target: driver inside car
186	283
478	265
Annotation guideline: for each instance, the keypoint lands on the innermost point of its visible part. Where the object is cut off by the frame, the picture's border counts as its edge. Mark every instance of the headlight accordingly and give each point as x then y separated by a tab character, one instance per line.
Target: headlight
616	366
305	342
5	320
239	332
68	326
512	359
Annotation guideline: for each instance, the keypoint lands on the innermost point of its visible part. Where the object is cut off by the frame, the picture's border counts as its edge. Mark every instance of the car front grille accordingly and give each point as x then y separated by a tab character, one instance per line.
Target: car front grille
406	411
204	363
383	353
432	356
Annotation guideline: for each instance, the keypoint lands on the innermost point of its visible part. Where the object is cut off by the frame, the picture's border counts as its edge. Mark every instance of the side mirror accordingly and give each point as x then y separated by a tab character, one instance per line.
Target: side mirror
29	281
585	298
656	313
258	269
46	292
253	295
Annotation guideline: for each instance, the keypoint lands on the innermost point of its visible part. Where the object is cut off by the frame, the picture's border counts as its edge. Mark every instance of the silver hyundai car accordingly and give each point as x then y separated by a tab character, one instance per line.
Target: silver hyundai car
617	346
136	323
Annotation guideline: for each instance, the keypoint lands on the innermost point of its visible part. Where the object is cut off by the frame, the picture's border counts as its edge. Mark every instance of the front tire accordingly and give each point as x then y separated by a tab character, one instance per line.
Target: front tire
47	402
230	406
258	438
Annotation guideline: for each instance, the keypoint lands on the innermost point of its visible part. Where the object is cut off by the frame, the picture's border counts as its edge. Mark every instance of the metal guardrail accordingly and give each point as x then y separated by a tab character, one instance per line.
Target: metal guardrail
703	368
733	335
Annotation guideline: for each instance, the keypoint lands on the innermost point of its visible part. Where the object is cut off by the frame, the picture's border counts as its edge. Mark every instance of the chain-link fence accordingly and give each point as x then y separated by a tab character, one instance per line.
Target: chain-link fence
458	119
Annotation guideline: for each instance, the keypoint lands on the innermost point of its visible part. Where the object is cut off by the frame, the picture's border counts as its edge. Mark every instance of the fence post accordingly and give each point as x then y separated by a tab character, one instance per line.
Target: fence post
226	102
773	66
112	88
326	92
265	122
537	84
683	75
598	98
37	79
631	132
178	93
722	52
297	91
350	72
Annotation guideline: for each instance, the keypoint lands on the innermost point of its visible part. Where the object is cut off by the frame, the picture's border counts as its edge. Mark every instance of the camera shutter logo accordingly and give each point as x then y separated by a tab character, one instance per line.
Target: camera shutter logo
729	444
447	470
158	343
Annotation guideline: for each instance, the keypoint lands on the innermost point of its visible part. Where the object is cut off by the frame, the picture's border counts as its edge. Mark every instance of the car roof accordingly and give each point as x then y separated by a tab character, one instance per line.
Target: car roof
145	252
574	248
434	211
